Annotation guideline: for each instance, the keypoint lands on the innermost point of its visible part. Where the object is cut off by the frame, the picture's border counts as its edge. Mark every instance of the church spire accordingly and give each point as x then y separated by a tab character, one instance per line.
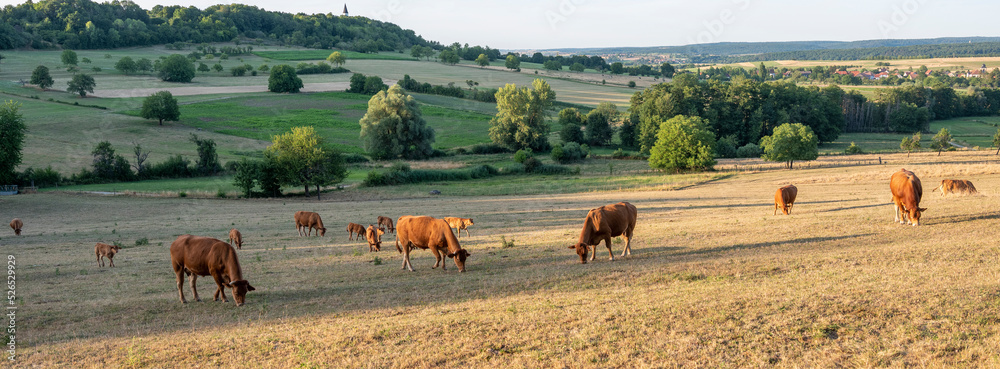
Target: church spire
345	11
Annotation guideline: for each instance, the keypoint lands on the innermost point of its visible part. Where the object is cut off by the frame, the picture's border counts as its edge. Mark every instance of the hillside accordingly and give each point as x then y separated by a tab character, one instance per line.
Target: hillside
757	48
85	24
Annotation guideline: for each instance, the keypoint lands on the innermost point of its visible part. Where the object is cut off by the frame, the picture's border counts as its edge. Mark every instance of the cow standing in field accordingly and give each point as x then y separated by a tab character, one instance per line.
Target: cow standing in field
956	186
355	228
906	194
235	238
387	223
16	225
374	237
103	250
428	233
204	256
459	224
784	198
306	221
604	223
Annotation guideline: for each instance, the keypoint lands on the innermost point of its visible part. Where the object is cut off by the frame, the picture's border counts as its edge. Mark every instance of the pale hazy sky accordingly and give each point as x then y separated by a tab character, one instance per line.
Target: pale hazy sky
525	24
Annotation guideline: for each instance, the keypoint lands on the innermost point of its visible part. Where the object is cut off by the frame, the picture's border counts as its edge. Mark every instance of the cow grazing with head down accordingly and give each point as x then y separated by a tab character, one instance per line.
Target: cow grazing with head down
204	256
374	237
784	198
306	221
387	223
906	194
604	223
103	250
355	228
956	186
428	233
16	225
459	224
236	238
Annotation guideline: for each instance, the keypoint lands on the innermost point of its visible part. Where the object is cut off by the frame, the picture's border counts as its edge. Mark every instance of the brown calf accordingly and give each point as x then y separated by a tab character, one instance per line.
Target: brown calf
16	225
235	238
103	250
387	223
374	237
459	224
353	228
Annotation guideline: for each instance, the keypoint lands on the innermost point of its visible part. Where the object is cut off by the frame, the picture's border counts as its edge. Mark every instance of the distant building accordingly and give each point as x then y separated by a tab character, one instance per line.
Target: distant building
345	11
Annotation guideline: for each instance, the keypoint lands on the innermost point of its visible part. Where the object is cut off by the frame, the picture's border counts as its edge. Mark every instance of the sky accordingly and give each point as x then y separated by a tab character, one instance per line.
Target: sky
549	24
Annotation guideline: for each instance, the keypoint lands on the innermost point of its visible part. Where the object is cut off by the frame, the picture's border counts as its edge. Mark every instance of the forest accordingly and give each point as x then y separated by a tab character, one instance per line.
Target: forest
85	24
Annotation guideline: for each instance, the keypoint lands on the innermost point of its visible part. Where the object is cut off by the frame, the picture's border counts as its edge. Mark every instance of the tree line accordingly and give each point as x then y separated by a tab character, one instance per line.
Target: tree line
870	53
85	24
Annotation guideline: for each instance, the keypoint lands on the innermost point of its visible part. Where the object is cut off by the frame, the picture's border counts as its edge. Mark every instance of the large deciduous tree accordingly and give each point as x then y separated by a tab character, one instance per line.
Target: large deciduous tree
599	131
284	79
12	129
790	142
304	160
68	57
520	119
336	58
572	123
126	65
81	84
41	78
162	106
176	68
394	127
482	60
683	143
513	62
941	141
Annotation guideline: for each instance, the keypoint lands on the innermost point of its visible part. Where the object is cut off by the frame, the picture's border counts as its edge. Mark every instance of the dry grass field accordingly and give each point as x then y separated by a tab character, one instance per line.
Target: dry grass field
715	280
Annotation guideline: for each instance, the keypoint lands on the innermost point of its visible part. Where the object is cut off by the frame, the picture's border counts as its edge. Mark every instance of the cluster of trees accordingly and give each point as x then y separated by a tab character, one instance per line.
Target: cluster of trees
110	166
368	85
484	95
594	128
911	108
588	62
85	24
520	119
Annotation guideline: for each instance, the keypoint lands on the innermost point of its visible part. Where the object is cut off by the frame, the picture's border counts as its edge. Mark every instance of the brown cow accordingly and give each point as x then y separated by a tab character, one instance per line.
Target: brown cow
353	228
374	237
906	194
425	232
306	221
604	223
387	223
203	256
459	224
102	250
16	225
236	238
784	198
956	186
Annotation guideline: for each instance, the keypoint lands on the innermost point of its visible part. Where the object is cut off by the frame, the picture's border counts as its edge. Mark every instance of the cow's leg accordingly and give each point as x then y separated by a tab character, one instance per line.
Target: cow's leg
180	283
790	208
194	290
775	209
437	258
221	289
406	257
100	263
111	262
627	251
607	242
467	232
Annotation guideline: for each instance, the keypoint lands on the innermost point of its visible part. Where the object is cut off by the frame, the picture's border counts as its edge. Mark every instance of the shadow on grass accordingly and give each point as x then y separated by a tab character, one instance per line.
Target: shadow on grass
959	218
759	245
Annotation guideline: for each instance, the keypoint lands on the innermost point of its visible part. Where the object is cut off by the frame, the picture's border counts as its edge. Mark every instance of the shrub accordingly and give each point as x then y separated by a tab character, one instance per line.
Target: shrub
726	147
750	150
853	149
530	164
488	148
569	152
521	155
354	158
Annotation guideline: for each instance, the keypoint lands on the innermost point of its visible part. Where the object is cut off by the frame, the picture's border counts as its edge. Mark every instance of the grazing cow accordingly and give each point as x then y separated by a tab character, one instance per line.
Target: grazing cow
203	256
604	223
306	221
355	228
236	238
374	237
103	250
387	223
459	224
956	186
906	193
16	225
426	232
784	198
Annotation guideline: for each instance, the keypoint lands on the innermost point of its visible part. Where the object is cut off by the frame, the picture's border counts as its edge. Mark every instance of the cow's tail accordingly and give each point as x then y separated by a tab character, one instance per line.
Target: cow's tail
936	188
397	246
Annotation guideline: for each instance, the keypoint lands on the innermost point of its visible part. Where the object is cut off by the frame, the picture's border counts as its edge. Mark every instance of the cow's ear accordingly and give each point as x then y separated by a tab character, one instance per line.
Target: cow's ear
468	253
922	209
250	288
451	255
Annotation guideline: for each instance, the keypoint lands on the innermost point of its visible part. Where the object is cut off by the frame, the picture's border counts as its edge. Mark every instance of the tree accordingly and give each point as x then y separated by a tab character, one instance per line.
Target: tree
244	176
202	67
571	121
482	60
141	168
598	131
357	83
176	68
208	160
631	84
910	143
448	56
617	68
336	58
161	105
790	142
683	143
218	67
394	127
374	84
12	129
40	77
110	166
81	84
144	65
303	160
941	141
513	62
284	79
577	67
996	141
762	70
520	119
667	70
126	65
68	57
552	65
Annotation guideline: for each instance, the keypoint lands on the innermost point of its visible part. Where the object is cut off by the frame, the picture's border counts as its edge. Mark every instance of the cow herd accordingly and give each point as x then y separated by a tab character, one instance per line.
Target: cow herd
196	256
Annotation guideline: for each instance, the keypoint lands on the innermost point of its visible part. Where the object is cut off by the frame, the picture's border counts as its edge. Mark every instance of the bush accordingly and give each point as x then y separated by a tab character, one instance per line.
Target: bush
853	149
750	150
47	177
619	154
174	167
521	155
530	164
354	158
569	152
726	147
488	148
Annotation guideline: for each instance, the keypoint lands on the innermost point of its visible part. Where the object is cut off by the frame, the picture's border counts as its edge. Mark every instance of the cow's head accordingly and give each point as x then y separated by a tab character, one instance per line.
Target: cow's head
115	248
240	289
915	215
471	222
460	257
581	249
17	231
321	231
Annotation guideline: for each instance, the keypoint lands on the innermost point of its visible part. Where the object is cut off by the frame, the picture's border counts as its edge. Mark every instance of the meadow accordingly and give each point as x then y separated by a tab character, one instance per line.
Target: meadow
714	280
